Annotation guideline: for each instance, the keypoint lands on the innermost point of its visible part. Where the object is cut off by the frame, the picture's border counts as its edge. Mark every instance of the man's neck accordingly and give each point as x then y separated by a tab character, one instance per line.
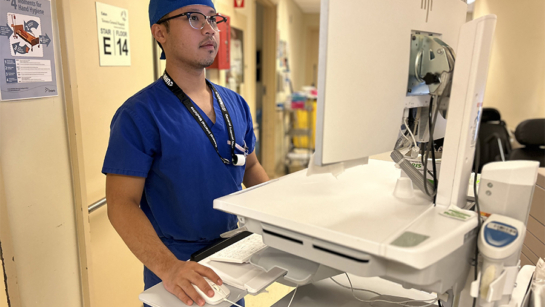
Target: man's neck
191	80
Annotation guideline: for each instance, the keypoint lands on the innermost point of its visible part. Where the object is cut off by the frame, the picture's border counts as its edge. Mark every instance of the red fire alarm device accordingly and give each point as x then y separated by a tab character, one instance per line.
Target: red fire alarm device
223	59
239	3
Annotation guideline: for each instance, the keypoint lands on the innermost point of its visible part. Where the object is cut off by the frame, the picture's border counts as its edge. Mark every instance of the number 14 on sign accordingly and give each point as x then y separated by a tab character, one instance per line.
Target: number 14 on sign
124	48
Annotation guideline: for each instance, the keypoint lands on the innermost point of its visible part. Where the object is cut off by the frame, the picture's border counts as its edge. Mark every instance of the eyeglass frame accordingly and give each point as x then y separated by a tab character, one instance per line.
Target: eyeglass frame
206	17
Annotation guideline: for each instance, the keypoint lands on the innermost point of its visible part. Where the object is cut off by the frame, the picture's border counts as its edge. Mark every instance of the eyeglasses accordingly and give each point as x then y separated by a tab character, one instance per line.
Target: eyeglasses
197	20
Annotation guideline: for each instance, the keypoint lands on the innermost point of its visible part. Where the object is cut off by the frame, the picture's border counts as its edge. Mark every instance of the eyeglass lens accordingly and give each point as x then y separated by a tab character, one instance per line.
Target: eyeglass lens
197	21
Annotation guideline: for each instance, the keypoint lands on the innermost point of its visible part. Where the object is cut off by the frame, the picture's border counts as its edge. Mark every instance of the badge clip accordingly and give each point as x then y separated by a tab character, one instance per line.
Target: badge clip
239	160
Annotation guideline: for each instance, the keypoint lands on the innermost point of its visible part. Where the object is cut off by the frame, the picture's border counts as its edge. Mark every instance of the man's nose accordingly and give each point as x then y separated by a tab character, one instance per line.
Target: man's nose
207	29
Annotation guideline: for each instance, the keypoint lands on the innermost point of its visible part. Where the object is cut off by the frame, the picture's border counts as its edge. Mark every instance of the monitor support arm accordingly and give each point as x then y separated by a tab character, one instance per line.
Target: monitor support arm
433	65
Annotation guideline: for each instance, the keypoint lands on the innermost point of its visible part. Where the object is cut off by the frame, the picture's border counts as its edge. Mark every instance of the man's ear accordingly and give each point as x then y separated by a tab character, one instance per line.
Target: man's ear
159	33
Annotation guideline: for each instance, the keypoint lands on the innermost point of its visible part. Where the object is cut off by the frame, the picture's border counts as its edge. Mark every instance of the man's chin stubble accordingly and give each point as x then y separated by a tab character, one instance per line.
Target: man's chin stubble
207	62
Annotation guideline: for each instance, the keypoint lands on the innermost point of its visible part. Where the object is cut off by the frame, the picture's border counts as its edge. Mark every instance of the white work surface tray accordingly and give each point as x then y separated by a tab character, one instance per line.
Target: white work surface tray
158	296
356	210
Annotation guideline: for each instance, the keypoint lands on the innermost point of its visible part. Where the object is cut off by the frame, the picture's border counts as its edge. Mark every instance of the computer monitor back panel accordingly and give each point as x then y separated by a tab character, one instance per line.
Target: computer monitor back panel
363	70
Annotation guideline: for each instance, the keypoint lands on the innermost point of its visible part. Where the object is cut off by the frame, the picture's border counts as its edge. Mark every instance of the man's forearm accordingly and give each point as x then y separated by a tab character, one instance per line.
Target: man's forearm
255	175
137	232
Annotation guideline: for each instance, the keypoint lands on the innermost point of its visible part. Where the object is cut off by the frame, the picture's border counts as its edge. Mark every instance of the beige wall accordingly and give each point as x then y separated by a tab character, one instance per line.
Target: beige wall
101	90
311	46
290	24
117	273
516	80
35	166
294	27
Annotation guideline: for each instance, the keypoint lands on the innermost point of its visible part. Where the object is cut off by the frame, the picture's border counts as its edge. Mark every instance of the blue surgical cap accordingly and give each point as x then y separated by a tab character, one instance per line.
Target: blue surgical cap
159	8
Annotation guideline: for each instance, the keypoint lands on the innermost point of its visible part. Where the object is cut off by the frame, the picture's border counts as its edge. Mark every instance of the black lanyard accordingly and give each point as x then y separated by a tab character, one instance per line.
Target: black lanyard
184	99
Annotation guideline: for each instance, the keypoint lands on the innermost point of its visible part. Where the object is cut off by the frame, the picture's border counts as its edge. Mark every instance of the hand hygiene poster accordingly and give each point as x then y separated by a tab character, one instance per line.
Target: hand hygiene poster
26	50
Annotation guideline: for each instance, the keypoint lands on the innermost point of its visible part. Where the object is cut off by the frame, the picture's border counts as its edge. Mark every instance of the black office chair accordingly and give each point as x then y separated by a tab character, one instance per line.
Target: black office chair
494	140
531	134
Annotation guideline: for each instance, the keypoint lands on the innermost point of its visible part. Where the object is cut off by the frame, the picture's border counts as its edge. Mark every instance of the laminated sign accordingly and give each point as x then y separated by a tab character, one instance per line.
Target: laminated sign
27	51
113	35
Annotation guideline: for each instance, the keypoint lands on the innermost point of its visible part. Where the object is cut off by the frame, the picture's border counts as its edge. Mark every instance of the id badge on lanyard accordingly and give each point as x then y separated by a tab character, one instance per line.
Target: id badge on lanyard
236	159
245	150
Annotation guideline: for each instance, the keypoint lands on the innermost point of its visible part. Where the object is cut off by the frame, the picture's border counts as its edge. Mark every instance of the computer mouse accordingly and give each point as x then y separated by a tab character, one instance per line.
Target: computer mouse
220	293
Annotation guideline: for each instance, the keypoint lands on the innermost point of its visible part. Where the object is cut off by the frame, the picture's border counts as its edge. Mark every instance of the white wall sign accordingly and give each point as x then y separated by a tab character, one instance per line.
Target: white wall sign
113	35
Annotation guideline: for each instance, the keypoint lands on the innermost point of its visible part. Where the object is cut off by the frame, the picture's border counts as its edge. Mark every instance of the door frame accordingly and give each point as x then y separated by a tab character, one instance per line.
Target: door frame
73	121
268	65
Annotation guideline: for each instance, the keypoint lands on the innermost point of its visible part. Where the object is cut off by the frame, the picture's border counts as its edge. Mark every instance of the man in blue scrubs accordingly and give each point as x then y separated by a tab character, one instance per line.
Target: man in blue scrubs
174	147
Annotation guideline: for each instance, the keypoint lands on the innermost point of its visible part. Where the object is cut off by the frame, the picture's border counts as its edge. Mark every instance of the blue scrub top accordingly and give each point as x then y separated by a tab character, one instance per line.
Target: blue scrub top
154	136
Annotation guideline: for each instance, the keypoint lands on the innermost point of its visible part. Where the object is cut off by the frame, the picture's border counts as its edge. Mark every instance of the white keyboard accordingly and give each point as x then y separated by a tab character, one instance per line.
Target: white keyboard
241	251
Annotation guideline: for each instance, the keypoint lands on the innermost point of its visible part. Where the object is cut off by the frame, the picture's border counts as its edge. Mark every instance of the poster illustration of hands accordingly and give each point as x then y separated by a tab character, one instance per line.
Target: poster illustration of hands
26	50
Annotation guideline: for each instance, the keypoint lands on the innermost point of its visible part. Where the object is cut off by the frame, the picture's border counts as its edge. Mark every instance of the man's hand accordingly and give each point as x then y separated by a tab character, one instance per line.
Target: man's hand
179	279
